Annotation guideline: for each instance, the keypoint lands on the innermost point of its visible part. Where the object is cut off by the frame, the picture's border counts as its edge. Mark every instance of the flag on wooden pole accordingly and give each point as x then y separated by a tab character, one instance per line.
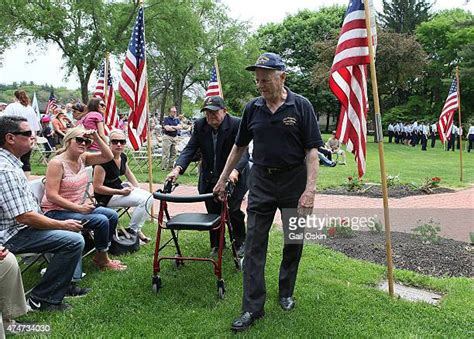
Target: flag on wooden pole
445	123
133	85
106	91
214	87
348	82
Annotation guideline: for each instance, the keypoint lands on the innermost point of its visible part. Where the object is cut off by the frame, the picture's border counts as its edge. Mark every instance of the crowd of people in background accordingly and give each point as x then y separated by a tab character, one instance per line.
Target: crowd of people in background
416	133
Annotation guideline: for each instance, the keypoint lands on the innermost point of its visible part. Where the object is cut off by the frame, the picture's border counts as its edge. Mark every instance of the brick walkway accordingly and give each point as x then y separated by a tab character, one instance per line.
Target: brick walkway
453	211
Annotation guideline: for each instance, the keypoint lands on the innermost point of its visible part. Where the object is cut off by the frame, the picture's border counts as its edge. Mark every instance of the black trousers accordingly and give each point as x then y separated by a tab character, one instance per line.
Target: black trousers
424	141
267	192
236	216
390	136
433	140
471	142
451	142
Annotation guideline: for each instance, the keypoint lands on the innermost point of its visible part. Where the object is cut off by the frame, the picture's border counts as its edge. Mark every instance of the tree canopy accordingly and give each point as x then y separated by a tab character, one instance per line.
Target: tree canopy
418	50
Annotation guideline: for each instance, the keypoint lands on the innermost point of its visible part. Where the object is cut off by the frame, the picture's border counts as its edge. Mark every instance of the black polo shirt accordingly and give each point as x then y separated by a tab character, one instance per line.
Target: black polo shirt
281	138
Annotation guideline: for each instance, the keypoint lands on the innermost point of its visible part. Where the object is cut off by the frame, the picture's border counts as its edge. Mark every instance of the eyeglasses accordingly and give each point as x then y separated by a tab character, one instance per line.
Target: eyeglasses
24	133
118	141
81	140
102	104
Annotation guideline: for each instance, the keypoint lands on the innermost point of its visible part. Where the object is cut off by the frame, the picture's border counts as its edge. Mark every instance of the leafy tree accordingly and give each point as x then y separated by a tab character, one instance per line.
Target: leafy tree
83	30
403	16
294	40
180	50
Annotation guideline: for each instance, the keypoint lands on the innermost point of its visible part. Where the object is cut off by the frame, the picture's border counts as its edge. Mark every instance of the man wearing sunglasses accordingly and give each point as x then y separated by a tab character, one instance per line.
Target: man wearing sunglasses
214	136
23	229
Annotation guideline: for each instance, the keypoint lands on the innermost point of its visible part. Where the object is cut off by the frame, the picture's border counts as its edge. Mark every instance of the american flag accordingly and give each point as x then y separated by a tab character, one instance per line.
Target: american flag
51	105
133	85
445	124
214	87
348	82
111	116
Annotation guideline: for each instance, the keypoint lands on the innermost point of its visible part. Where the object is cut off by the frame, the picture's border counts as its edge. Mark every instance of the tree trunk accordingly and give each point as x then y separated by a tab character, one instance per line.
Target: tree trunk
328	116
163	100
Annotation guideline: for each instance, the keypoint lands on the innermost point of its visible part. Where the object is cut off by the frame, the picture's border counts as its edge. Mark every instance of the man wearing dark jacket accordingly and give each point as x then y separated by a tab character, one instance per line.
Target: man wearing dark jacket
214	135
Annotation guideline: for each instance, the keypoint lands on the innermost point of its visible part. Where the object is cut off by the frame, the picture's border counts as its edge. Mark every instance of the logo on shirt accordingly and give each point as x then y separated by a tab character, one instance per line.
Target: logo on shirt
289	121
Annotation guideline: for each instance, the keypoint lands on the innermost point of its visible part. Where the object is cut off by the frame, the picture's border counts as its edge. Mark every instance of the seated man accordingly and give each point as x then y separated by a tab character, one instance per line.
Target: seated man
325	157
24	230
214	136
334	145
12	296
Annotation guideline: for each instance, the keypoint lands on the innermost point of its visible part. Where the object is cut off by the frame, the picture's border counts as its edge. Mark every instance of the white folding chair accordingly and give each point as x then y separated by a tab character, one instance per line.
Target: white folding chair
29	259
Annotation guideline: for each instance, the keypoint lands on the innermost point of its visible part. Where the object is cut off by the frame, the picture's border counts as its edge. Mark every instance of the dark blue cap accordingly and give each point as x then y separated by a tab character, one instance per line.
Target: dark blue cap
268	61
213	103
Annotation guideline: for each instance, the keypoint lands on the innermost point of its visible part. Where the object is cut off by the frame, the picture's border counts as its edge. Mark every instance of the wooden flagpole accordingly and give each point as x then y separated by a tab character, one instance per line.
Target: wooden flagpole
216	65
379	139
148	131
106	76
459	116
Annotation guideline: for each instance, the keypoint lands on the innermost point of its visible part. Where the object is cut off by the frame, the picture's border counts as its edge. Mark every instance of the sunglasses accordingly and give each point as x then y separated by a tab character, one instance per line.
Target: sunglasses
118	141
24	133
102	104
81	140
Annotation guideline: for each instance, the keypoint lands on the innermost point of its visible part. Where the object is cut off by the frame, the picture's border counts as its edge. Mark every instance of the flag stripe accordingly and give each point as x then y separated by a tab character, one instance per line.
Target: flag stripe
133	85
348	82
445	123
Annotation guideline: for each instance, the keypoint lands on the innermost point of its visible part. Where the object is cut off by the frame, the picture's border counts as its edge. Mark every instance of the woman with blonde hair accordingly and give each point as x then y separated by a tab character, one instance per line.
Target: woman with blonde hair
66	184
110	191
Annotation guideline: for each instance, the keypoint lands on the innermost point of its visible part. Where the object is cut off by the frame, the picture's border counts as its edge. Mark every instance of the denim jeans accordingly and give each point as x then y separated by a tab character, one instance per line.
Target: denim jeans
101	220
67	249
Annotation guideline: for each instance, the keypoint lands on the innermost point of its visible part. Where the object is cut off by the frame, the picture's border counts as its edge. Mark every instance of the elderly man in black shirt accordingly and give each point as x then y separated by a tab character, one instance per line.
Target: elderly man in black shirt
285	135
214	136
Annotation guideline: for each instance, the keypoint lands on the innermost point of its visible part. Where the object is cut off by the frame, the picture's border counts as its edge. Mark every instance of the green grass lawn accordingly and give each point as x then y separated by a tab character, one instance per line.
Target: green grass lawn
409	163
335	298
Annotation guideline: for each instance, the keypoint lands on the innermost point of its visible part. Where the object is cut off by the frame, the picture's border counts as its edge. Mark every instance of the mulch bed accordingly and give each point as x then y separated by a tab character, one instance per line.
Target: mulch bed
448	258
375	191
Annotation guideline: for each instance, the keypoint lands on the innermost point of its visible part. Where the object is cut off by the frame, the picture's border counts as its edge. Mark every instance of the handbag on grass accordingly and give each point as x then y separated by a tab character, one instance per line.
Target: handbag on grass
124	240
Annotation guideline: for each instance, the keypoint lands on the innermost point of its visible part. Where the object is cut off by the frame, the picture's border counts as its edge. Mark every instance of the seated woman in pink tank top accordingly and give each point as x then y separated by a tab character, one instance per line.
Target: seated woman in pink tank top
66	184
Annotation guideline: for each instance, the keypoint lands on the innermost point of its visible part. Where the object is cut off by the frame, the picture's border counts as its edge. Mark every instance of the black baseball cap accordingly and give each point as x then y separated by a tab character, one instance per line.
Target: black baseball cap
213	103
268	61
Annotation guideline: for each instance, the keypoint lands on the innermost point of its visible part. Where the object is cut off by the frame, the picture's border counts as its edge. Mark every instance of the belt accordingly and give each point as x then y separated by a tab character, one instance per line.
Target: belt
275	170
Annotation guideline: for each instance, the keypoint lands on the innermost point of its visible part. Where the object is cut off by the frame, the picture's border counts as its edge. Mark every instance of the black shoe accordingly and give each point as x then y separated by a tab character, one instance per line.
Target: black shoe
75	291
245	320
287	303
36	305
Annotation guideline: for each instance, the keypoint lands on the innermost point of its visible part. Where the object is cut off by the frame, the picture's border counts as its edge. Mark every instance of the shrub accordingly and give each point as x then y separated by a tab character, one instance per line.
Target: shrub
354	184
428	233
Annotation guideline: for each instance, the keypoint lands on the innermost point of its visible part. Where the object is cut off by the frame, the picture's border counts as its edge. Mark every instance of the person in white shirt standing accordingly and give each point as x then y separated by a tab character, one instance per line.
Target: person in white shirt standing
433	132
470	137
22	108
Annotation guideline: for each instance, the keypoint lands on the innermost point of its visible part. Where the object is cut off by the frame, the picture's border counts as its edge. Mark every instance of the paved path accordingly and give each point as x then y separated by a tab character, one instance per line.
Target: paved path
453	211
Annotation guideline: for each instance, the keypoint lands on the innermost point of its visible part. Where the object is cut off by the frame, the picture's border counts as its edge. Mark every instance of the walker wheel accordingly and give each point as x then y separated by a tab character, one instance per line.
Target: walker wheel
156	283
221	289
